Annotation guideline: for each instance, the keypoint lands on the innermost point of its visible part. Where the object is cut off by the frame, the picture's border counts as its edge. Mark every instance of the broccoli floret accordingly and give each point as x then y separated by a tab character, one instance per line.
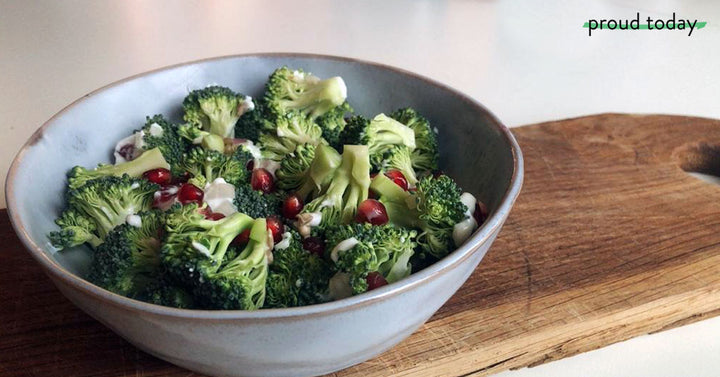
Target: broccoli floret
205	139
129	259
380	134
215	109
321	171
251	123
348	187
75	230
399	158
425	156
359	249
163	292
241	154
333	123
161	134
297	277
106	203
294	167
150	159
206	165
255	203
434	209
294	90
280	137
308	171
239	283
194	247
354	130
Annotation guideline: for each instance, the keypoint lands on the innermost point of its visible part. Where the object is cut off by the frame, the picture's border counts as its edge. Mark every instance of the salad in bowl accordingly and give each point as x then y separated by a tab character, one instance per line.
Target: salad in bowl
290	199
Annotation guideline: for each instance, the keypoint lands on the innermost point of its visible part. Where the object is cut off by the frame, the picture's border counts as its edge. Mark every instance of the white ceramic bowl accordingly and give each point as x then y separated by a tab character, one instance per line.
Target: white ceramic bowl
477	150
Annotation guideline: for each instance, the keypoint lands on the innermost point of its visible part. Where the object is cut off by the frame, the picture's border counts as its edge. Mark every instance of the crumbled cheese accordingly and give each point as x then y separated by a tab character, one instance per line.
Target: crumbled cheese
252	148
134	186
156	130
133	220
285	242
269	165
219	196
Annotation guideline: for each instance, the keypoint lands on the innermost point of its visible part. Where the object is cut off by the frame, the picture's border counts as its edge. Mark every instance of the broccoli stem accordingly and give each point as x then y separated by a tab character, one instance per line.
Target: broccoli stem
351	181
148	160
323	165
399	204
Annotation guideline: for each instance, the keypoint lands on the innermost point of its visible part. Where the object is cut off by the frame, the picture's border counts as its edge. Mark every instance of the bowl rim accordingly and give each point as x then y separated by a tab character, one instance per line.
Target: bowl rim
482	235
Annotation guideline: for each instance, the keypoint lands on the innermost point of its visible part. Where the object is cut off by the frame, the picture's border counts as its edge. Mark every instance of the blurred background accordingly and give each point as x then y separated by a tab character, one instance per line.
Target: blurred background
527	61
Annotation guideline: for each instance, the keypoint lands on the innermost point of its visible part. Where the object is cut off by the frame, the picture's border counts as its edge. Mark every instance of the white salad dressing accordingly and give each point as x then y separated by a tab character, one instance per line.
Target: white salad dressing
201	248
269	165
134	220
219	196
339	286
285	242
169	192
343	245
464	229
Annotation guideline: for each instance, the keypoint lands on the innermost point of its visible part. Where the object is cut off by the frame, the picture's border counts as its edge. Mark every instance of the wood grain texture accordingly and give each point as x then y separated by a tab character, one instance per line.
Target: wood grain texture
610	239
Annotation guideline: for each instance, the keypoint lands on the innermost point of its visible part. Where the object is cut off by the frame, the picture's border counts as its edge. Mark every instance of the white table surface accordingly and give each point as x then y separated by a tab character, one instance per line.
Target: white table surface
528	61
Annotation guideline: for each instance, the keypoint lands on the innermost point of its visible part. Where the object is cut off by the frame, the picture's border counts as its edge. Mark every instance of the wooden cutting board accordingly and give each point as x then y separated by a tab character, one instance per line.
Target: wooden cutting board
610	239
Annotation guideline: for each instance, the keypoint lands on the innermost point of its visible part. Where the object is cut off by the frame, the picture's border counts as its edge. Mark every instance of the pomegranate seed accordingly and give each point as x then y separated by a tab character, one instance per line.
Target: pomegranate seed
250	165
481	212
161	176
242	239
276	227
373	175
375	280
190	193
262	180
398	178
315	245
214	216
371	211
292	206
438	173
127	152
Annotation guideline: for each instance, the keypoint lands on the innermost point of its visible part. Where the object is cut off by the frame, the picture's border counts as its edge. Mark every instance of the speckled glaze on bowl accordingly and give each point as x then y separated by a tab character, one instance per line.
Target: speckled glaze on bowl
477	150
